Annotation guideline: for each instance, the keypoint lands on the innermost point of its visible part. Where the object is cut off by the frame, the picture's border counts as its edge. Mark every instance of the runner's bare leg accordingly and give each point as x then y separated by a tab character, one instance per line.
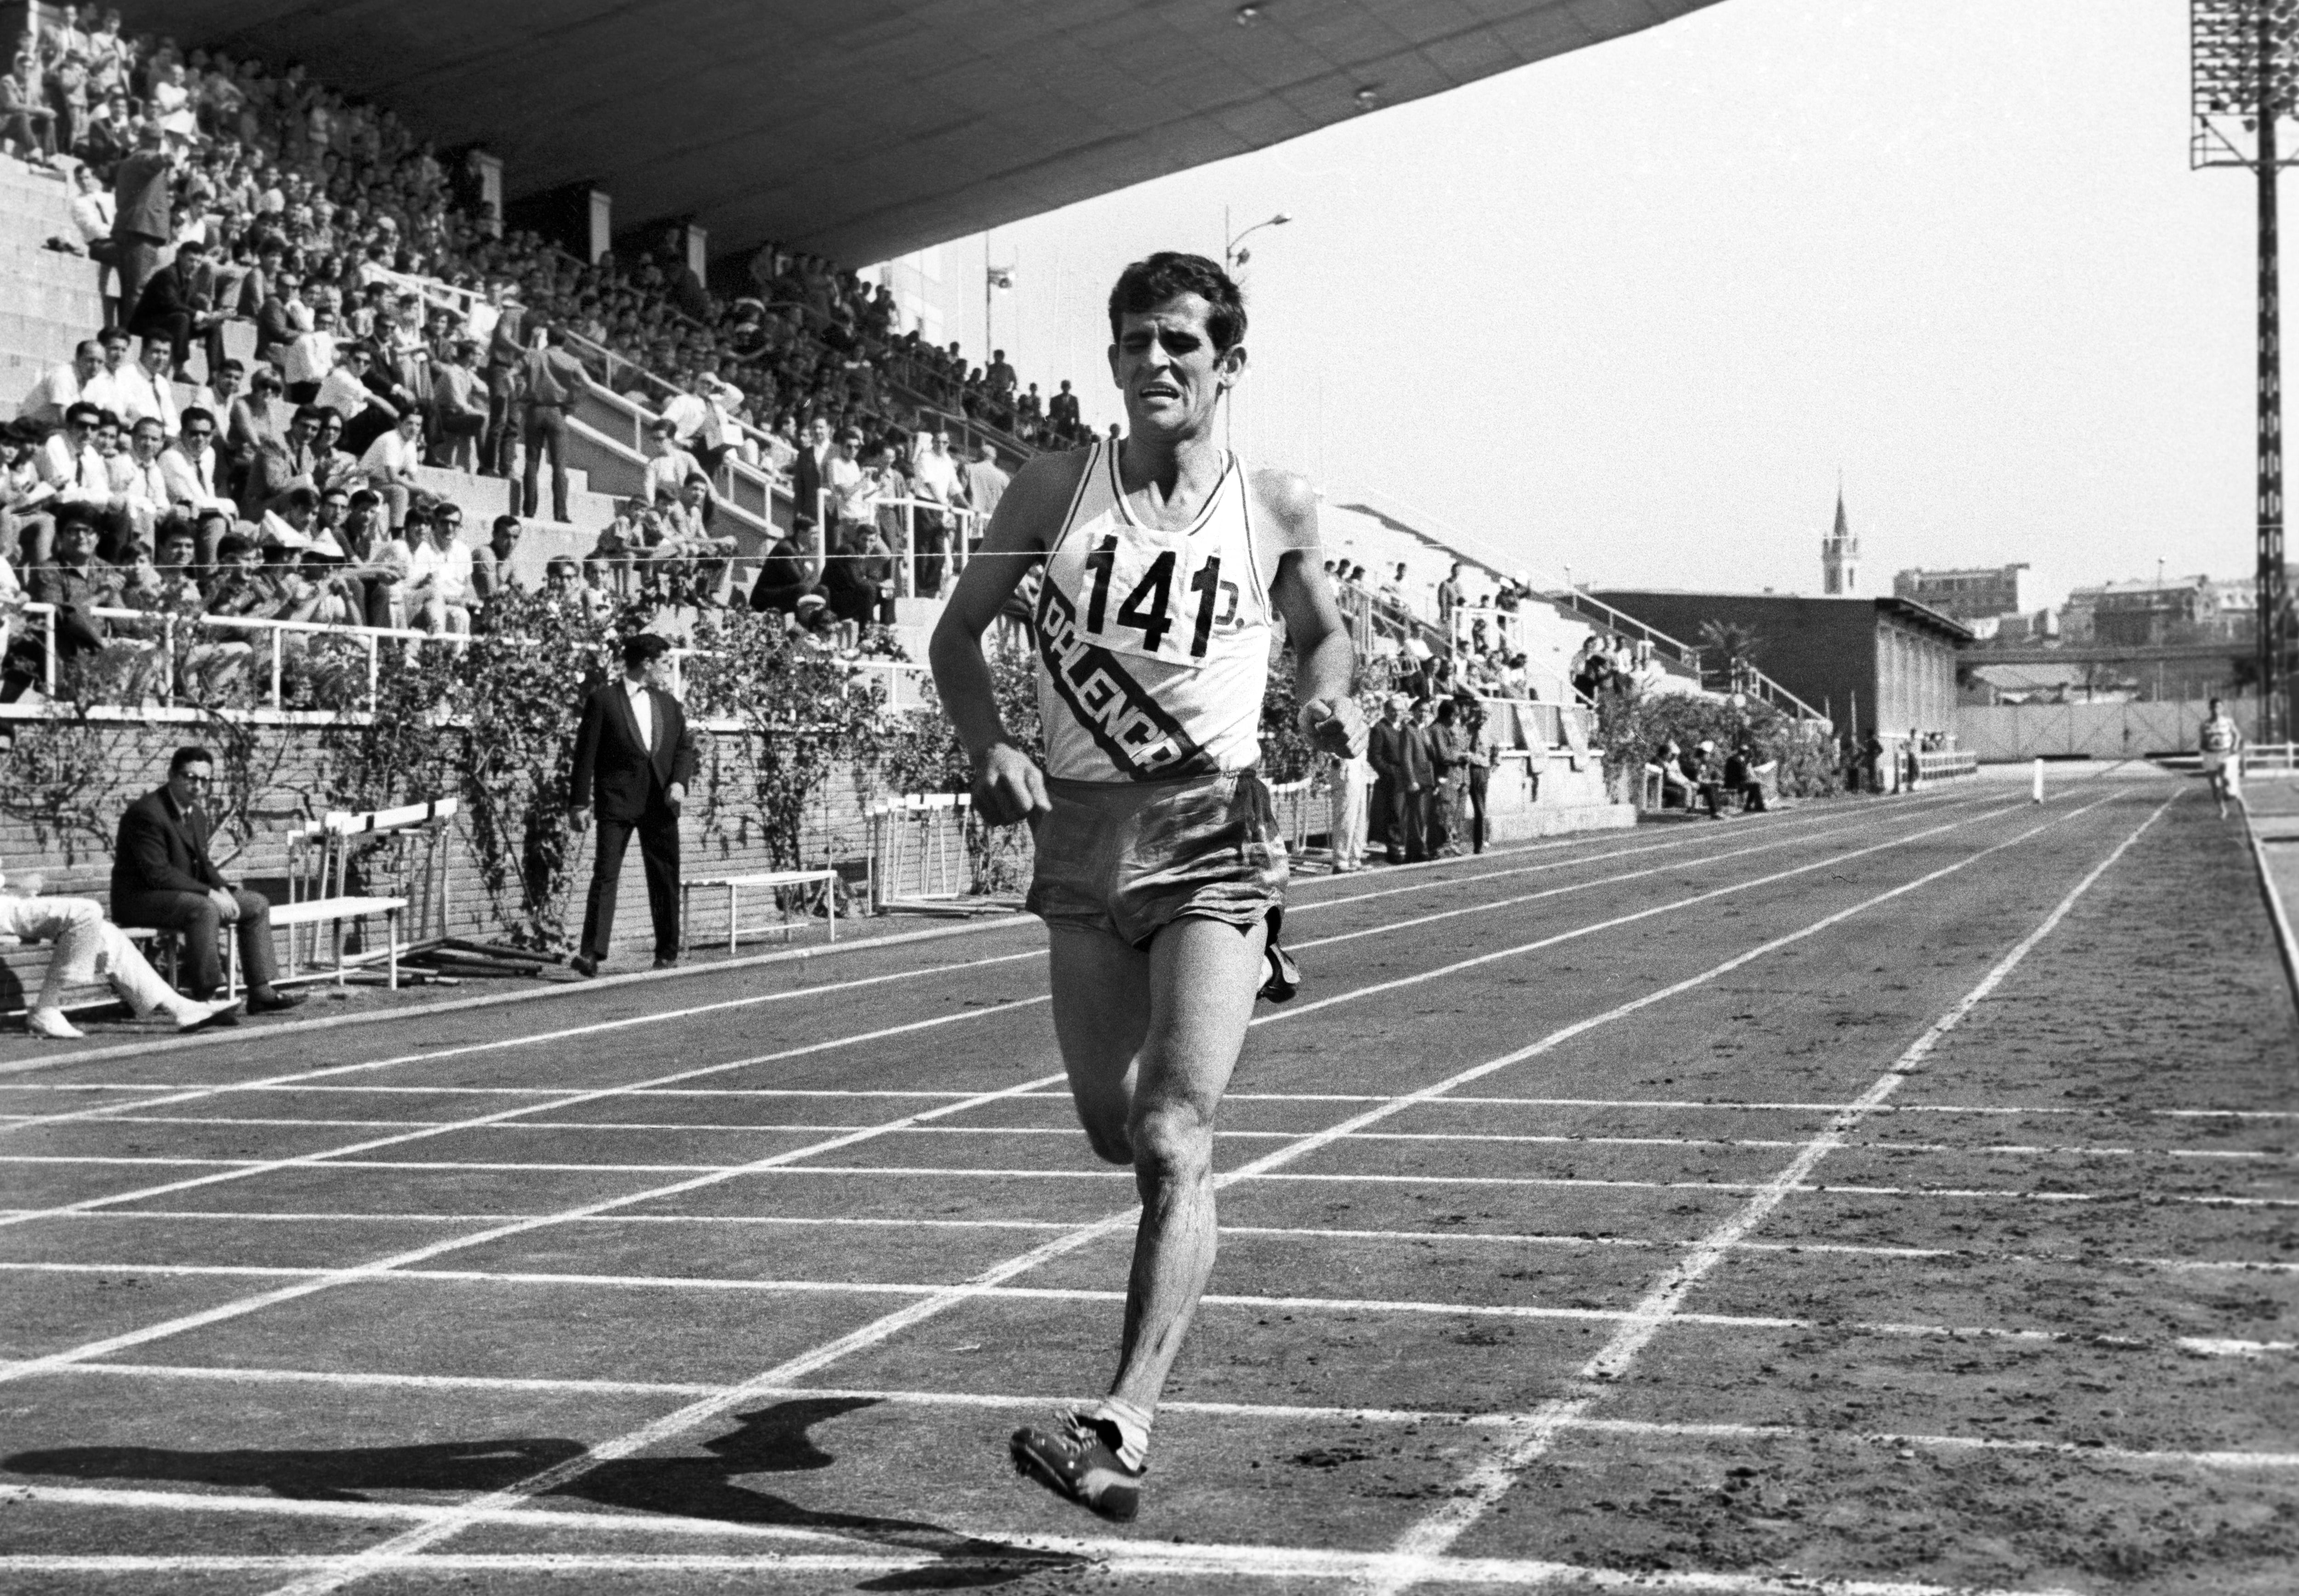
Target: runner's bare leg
1147	1077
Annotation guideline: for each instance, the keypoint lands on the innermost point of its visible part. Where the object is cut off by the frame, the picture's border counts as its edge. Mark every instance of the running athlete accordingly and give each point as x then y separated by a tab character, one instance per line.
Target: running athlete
2221	740
1160	870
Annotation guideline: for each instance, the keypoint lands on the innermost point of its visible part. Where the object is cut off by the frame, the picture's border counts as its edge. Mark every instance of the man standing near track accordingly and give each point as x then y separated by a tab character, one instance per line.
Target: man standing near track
2220	742
1160	871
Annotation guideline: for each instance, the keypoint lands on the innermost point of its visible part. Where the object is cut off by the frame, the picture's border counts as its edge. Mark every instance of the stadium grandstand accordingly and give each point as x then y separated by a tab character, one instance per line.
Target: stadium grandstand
302	414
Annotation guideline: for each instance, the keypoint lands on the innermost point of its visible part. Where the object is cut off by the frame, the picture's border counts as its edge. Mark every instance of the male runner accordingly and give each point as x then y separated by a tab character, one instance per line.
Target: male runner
1160	871
2220	739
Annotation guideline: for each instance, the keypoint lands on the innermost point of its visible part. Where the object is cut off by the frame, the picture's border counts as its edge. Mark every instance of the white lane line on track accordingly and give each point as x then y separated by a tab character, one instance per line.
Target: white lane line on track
2209	1346
1283	1413
1476	1494
973	1172
970	1568
813	1128
1469	1239
703	1410
1833	821
341	1156
964	1172
1727	1104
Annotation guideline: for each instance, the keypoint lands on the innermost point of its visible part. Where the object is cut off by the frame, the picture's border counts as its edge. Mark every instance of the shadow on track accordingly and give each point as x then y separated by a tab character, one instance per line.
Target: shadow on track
773	1439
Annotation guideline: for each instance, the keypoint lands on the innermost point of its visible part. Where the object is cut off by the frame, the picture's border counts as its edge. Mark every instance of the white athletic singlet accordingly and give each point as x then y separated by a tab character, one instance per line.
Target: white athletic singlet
2219	736
1153	646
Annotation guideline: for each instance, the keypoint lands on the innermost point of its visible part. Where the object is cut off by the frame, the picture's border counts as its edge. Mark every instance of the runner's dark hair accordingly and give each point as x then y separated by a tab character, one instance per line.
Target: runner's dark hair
1168	275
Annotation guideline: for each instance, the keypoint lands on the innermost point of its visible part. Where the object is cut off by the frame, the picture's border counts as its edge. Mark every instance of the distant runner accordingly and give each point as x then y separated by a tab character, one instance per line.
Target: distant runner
2221	742
1160	869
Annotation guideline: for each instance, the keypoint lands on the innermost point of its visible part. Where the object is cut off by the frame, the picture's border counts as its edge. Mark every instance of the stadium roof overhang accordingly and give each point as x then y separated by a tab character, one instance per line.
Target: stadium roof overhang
865	129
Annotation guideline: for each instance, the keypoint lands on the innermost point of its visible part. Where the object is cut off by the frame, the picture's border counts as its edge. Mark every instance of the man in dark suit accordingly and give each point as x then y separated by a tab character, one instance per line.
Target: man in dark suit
1398	751
144	217
634	757
162	876
174	305
811	471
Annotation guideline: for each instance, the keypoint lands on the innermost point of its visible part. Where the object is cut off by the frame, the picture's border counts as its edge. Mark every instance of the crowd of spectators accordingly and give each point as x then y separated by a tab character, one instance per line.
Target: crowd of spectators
211	190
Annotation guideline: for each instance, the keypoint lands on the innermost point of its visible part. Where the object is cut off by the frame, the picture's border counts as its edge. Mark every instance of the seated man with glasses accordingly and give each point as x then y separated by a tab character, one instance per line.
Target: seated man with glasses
197	478
162	876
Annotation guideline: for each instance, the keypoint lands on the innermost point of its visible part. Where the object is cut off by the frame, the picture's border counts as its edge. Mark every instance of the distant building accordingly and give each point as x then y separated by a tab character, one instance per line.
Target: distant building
1839	556
1980	594
2138	615
1873	665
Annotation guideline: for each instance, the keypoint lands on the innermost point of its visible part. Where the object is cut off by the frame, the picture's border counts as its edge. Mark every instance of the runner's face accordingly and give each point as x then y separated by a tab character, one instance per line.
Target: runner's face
1165	364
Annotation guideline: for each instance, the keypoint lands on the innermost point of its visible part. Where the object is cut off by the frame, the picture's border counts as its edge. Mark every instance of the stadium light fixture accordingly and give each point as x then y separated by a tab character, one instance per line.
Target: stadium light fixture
2243	82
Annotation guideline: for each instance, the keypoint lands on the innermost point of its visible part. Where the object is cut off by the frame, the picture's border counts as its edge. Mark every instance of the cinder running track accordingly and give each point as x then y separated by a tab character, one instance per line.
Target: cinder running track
1882	1197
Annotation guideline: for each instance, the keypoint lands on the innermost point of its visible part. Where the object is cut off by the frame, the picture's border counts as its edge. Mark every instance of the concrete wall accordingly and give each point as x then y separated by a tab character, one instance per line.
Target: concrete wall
2005	732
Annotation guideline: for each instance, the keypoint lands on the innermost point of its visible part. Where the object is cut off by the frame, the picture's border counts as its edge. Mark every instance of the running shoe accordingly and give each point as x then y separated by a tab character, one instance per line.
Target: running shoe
1285	975
1080	1462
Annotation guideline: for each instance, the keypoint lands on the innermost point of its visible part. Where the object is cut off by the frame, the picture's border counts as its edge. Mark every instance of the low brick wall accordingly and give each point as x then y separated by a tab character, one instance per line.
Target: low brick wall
294	761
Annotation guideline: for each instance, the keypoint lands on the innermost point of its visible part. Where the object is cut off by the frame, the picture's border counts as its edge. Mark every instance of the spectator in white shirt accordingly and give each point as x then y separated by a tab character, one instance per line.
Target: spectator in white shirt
93	208
669	466
192	468
344	389
104	390
390	464
140	485
60	386
146	391
438	586
310	358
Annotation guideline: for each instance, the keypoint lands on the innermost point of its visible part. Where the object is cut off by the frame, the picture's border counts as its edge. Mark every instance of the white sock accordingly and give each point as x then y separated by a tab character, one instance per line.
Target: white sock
1132	1425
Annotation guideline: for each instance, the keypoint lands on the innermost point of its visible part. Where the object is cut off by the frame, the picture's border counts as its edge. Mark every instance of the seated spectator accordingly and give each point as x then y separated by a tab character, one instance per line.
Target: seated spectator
86	945
28	127
380	559
857	569
195	472
786	575
439	576
239	588
107	389
491	567
667	467
332	462
1745	777
1705	776
562	582
59	386
692	561
392	464
78	584
362	414
174	308
598	603
163	876
141	489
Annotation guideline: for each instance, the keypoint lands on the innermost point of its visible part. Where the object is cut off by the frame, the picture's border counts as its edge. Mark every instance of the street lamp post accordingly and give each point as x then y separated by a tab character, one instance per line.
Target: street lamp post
1233	257
2242	55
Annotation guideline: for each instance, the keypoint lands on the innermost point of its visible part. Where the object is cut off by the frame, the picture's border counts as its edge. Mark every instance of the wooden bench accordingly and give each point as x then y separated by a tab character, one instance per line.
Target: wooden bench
823	884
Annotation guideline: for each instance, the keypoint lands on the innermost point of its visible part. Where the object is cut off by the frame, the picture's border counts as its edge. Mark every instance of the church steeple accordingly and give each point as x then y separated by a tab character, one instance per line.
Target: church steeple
1839	555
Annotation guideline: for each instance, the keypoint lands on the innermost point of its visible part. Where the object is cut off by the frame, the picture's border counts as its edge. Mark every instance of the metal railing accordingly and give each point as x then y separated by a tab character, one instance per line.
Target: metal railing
167	626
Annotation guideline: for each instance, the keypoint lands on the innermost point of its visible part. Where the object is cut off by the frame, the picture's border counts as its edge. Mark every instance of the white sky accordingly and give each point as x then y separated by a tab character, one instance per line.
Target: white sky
1631	311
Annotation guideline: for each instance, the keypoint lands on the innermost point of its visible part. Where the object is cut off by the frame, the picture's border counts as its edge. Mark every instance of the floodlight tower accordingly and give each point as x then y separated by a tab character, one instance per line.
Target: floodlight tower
2242	55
